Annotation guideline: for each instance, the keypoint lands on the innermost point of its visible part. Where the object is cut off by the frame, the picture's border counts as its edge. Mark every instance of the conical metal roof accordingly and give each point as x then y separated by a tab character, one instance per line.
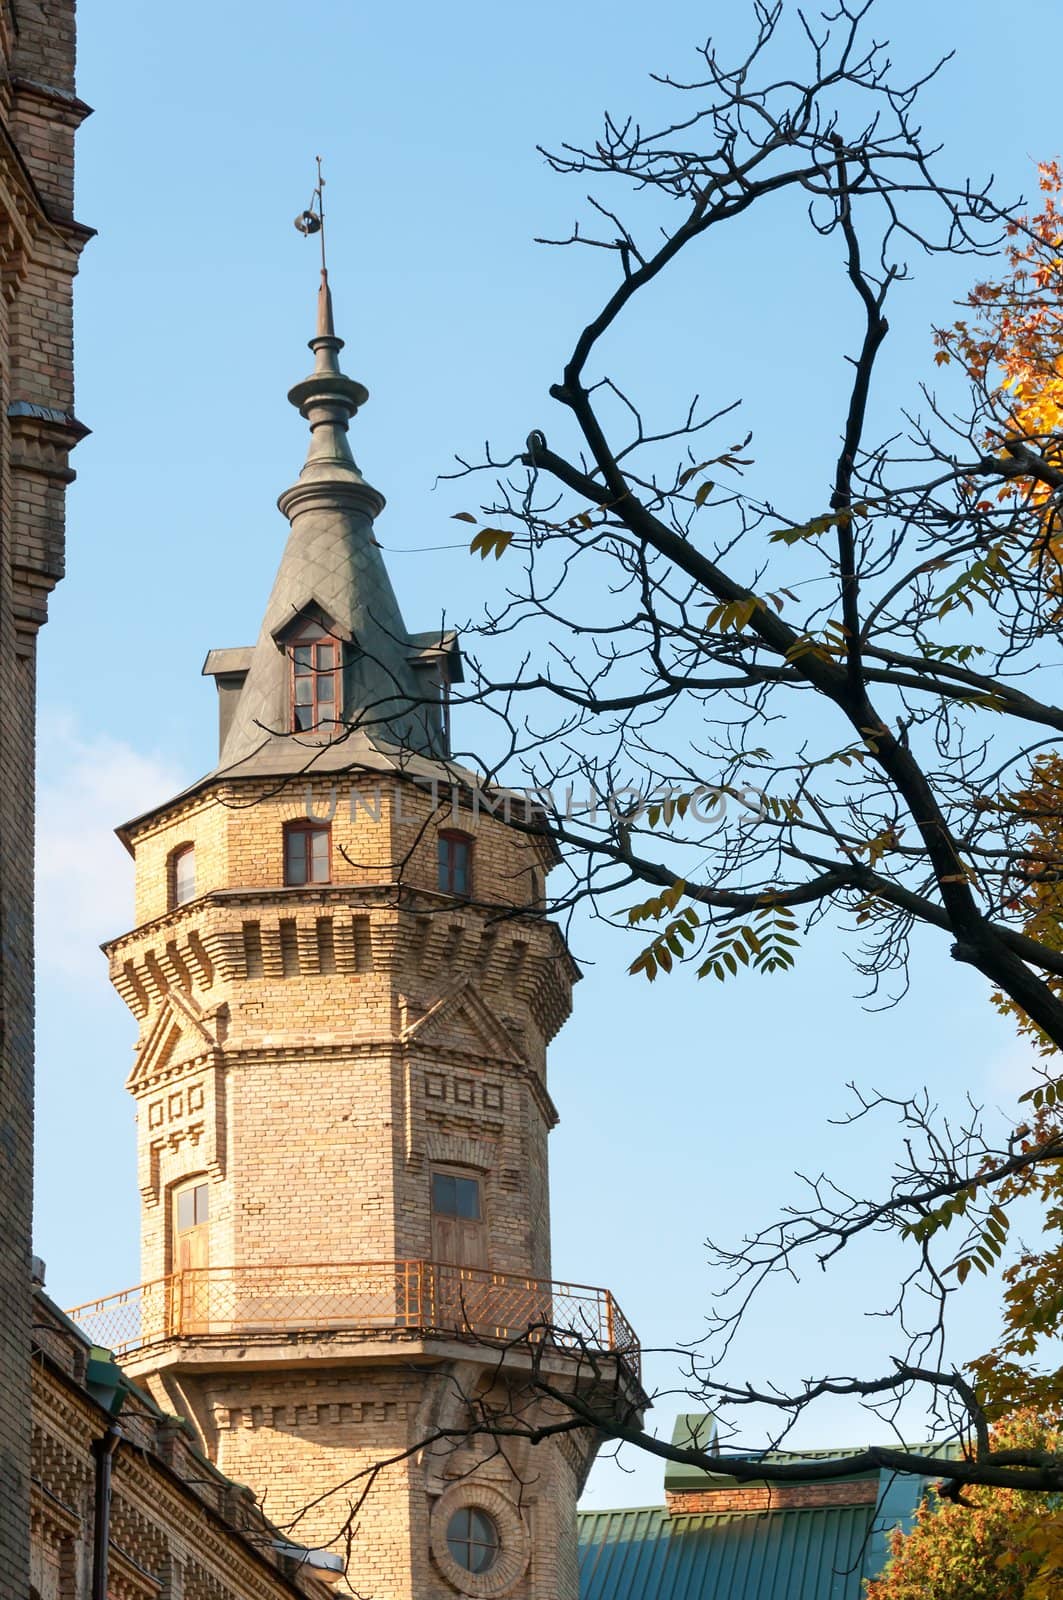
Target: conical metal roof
332	570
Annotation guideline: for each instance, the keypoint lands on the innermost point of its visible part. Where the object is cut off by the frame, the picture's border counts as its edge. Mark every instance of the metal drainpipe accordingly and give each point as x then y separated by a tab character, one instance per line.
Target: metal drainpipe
103	1449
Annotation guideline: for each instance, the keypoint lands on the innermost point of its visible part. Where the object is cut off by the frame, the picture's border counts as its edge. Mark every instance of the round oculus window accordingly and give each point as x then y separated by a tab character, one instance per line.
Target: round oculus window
473	1539
479	1540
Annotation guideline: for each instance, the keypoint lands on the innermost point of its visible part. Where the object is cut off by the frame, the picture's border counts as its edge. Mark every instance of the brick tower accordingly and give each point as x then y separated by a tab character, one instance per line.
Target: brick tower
346	988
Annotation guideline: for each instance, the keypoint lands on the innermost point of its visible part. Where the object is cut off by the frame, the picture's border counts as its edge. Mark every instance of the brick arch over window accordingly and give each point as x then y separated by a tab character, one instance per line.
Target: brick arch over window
455	1150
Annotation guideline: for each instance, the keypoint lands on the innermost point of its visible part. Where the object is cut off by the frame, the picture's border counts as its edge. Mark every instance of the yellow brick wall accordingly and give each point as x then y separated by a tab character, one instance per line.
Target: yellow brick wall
313	1053
382	832
331	1451
317	1094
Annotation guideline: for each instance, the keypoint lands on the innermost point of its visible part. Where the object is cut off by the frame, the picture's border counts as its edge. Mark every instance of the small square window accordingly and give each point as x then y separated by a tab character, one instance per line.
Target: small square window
455	1197
192	1207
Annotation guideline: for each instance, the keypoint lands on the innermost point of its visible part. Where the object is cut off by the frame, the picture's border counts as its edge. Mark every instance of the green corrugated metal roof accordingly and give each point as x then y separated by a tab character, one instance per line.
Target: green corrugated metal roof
812	1554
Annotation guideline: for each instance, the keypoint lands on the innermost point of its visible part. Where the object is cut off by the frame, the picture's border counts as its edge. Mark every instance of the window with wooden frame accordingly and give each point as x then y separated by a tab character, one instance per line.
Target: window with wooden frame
314	657
182	875
458	1236
455	864
189	1308
191	1207
307	853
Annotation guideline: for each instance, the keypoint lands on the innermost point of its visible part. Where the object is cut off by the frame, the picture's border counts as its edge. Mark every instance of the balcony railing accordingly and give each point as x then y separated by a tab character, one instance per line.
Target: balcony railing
361	1297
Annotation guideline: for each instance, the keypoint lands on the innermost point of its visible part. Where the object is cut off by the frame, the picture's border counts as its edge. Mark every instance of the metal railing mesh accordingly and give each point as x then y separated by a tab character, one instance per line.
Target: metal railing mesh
420	1296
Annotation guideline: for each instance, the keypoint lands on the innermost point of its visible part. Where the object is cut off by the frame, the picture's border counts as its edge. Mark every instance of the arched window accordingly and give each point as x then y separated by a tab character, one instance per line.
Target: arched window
182	875
315	678
307	853
455	864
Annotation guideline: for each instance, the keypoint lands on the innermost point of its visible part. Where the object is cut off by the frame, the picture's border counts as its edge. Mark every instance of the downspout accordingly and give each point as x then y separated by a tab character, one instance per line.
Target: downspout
103	1450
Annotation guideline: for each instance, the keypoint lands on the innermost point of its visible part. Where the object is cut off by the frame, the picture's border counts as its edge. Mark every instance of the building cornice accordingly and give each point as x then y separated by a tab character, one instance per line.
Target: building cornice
73	109
382	896
13	166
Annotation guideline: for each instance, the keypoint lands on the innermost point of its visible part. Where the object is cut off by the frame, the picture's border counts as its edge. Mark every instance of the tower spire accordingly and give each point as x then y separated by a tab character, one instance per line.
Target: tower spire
332	574
328	399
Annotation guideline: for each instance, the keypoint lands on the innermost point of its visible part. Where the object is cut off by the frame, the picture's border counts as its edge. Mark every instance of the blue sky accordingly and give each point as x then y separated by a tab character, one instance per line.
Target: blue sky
684	1111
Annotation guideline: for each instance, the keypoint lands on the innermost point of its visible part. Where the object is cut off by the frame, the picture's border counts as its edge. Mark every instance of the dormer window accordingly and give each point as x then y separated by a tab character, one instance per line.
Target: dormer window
182	875
315	678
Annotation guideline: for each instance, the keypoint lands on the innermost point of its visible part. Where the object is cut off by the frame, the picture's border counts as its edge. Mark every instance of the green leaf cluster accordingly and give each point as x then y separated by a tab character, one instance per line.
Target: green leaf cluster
669	947
988	1245
817	525
981	580
766	947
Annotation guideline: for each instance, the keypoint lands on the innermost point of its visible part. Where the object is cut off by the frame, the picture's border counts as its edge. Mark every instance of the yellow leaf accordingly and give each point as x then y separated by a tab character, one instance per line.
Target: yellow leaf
488	540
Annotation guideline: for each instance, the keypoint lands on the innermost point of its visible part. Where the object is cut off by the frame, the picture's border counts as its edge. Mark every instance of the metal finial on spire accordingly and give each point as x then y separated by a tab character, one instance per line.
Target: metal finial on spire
312	220
328	399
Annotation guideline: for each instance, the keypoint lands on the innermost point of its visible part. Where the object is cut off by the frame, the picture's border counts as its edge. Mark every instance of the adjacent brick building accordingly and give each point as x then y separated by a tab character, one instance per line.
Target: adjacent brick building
124	1505
39	247
346	989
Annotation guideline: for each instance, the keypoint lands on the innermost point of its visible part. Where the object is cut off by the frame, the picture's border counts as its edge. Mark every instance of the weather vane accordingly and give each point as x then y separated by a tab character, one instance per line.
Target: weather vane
312	220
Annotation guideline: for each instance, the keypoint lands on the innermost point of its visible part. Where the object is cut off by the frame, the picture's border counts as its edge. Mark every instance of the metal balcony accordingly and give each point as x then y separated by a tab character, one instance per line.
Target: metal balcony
418	1297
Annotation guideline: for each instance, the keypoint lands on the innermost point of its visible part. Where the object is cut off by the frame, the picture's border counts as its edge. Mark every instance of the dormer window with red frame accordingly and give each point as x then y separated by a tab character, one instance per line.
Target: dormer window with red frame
455	864
315	678
307	853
